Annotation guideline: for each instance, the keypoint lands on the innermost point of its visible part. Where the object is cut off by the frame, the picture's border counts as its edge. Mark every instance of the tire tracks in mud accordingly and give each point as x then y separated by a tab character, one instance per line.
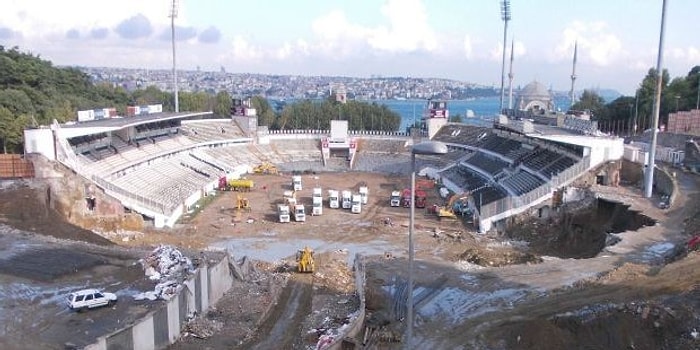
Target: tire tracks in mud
282	327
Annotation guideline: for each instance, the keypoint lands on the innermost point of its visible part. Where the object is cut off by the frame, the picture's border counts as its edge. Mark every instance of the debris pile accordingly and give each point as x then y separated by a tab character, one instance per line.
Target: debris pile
336	328
169	267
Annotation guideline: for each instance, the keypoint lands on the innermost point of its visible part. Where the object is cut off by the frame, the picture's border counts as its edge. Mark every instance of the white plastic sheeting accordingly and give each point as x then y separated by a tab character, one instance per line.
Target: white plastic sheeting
168	266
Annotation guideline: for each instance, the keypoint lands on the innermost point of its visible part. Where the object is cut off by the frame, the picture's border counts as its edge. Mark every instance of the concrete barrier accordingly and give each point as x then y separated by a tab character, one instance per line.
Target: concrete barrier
163	327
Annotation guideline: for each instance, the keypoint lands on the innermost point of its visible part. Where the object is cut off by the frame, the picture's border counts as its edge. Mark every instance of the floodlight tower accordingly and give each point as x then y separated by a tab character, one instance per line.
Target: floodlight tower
173	15
649	173
505	16
510	76
573	75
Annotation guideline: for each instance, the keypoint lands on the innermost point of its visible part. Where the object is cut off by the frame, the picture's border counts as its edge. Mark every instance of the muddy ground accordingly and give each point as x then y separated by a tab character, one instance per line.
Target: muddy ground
496	291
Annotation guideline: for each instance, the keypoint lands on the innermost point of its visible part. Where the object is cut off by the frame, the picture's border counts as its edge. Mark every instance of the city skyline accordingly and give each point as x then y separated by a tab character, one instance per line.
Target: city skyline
460	40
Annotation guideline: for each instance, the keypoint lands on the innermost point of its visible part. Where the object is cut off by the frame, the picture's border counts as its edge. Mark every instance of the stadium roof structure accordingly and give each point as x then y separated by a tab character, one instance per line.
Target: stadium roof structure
113	124
122	122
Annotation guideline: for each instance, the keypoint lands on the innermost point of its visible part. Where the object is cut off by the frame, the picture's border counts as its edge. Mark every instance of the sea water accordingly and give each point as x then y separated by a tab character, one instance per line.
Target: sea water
479	111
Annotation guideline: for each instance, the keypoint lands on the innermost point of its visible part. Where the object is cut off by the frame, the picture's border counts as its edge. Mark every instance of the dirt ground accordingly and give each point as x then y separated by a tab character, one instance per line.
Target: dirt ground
494	291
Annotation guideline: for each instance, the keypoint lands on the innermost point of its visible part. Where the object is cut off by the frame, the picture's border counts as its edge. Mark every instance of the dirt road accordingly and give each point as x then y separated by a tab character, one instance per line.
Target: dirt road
282	328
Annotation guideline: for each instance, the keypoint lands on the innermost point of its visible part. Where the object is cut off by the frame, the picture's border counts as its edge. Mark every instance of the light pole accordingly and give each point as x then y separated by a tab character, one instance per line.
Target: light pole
426	148
173	15
505	16
649	174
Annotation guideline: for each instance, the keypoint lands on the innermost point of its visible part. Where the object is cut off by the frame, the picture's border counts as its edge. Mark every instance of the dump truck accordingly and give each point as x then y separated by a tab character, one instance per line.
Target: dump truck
364	194
305	260
296	183
333	200
244	185
419	198
347	199
283	211
356	206
299	213
395	199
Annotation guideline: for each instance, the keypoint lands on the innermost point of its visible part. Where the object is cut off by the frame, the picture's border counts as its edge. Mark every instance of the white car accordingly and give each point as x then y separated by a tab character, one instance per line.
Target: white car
89	299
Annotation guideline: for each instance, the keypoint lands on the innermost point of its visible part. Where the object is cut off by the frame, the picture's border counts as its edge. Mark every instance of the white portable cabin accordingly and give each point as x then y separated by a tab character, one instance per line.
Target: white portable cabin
283	211
317	206
299	213
347	199
364	194
296	182
333	200
356	207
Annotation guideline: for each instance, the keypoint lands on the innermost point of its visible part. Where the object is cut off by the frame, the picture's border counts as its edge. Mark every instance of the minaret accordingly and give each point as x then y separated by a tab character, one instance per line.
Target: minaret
573	74
510	77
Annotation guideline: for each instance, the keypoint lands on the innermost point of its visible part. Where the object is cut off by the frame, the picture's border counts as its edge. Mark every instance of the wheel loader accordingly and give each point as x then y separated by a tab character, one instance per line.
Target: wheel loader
305	260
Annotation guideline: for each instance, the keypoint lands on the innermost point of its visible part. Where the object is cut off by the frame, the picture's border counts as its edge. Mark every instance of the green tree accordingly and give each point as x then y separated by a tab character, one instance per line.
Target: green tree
646	94
12	130
456	118
266	116
592	102
222	105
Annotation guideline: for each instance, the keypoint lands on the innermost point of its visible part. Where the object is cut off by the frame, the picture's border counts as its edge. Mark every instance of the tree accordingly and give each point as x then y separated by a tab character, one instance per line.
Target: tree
592	102
456	118
12	130
222	104
266	116
646	94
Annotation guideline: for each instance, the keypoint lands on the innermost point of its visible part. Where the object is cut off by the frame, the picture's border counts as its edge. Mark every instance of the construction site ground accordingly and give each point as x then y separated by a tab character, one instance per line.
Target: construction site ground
525	288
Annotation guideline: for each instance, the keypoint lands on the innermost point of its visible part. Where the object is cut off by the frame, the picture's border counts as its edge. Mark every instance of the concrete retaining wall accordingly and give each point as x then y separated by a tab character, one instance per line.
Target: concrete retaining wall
162	327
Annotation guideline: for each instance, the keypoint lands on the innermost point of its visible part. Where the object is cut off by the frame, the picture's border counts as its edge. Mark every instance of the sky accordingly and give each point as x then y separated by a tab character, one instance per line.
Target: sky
455	39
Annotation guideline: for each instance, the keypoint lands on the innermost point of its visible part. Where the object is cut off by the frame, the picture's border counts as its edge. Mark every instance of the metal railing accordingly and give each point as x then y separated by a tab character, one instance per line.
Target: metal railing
498	207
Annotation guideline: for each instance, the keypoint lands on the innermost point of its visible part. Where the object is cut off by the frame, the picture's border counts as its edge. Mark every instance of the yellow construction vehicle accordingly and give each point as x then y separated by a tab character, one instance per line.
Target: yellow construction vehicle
265	168
242	203
305	260
458	204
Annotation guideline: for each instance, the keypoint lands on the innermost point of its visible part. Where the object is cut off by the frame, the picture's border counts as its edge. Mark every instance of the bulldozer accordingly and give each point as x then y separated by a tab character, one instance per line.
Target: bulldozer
265	168
305	260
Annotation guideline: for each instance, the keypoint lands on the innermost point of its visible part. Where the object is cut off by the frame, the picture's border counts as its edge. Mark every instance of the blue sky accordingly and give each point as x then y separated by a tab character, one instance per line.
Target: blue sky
455	39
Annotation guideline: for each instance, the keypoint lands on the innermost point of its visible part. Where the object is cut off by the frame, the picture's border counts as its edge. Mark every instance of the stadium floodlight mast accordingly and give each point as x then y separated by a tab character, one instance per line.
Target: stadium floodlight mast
505	16
649	174
425	148
173	15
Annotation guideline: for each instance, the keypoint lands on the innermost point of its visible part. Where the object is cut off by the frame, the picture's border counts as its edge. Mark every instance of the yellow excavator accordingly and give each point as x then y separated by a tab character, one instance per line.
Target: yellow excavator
242	203
265	168
305	260
458	204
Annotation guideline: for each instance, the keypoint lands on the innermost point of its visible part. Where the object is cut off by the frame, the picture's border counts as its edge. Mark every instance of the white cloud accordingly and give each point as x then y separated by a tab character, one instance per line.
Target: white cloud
596	44
468	50
687	55
408	28
242	50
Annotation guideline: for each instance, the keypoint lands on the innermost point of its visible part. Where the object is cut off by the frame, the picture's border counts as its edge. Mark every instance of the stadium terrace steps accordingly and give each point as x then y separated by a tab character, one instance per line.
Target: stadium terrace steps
211	130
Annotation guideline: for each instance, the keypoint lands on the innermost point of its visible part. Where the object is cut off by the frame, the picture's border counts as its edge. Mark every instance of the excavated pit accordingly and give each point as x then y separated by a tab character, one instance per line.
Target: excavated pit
579	234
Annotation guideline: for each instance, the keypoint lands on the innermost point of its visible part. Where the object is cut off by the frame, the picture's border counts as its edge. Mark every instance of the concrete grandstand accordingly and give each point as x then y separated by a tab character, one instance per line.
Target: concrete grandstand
161	164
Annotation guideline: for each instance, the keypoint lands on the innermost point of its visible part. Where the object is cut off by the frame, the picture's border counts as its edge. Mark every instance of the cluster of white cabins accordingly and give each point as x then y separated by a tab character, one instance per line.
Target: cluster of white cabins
162	164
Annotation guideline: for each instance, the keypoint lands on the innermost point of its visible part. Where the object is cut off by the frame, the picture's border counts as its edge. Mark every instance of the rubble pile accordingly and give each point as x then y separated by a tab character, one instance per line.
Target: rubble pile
168	266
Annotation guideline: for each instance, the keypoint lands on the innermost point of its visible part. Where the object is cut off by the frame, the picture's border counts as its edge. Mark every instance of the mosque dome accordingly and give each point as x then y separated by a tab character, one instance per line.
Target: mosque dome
535	97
